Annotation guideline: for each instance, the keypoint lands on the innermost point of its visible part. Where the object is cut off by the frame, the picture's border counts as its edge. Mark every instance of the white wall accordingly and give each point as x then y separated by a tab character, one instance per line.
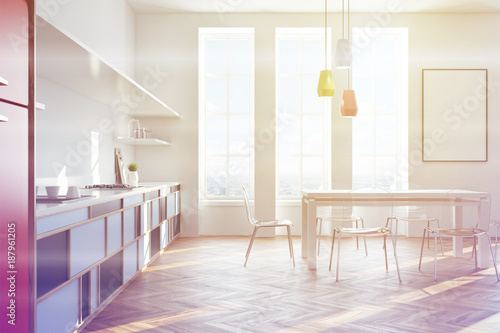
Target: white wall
454	41
64	153
107	27
435	41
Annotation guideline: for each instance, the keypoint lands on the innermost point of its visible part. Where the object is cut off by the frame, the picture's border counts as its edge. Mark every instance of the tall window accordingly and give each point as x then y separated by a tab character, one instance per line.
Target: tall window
380	131
303	120
226	108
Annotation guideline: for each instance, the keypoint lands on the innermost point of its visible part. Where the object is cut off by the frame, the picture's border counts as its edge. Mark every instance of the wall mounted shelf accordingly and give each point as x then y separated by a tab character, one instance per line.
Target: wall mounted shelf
3	119
65	60
3	82
40	106
143	142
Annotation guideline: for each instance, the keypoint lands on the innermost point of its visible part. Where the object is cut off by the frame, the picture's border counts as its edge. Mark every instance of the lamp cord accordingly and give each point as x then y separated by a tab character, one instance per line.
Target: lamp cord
348	19
342	19
326	8
348	39
349	78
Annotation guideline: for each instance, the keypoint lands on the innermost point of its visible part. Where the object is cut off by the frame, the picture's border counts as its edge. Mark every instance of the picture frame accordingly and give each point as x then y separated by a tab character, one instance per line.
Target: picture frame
454	115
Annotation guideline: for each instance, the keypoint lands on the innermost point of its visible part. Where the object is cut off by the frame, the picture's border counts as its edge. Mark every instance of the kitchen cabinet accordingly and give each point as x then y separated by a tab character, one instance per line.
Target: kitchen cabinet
14	51
14	210
89	250
16	167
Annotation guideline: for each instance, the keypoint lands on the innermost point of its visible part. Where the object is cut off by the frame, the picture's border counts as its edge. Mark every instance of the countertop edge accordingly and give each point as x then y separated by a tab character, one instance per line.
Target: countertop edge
100	196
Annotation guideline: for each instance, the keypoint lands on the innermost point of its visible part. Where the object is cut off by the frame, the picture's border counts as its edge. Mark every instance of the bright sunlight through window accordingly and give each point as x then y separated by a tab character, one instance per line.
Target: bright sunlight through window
380	131
303	120
226	88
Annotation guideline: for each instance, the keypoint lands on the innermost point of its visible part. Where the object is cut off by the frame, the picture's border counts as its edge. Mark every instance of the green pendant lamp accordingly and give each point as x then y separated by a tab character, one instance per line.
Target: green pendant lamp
326	86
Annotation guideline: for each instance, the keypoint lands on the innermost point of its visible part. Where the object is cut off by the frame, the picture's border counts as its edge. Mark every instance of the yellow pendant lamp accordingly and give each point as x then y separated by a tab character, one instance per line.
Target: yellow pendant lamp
348	104
326	86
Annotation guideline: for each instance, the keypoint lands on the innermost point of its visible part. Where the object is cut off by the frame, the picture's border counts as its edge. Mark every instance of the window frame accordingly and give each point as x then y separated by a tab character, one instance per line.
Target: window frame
400	35
302	34
227	34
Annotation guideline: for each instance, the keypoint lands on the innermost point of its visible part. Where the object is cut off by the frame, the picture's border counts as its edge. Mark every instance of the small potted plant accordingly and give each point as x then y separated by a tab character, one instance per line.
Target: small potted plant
133	176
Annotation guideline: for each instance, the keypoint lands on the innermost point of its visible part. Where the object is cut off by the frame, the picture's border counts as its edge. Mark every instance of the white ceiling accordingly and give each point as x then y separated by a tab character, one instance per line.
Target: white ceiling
312	6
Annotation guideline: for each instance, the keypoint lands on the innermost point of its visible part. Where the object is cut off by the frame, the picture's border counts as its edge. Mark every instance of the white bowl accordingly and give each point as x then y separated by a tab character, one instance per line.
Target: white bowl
52	191
73	192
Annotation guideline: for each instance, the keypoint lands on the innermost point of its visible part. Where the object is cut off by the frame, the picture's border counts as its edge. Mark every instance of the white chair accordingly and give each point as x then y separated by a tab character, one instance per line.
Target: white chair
265	224
365	232
339	215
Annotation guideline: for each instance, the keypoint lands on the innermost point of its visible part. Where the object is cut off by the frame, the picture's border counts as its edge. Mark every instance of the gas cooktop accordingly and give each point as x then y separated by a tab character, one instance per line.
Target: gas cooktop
111	187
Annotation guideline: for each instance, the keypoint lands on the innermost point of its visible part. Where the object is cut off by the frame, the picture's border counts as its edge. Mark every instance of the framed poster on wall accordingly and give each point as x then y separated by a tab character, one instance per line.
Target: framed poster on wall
455	115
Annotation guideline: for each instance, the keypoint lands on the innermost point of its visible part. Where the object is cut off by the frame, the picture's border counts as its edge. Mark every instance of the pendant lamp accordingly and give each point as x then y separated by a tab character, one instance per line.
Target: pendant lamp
326	86
348	104
343	52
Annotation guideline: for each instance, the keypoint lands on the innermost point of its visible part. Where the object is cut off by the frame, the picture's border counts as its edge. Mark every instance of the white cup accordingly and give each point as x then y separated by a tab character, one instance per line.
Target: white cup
52	191
73	192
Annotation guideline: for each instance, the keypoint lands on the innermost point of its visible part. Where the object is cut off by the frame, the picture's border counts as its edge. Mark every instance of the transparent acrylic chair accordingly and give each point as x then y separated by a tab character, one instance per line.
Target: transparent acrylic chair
493	224
265	224
474	232
366	232
413	214
338	215
496	224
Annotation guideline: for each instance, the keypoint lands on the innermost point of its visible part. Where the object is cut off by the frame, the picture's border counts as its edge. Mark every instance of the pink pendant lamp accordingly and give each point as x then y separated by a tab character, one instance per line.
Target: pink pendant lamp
348	104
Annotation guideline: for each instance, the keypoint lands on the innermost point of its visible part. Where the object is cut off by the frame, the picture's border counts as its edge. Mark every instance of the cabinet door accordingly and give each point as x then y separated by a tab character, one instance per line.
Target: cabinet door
14	263
14	50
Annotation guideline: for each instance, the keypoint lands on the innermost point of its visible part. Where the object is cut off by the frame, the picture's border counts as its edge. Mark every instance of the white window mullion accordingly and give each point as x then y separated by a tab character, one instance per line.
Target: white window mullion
228	76
301	117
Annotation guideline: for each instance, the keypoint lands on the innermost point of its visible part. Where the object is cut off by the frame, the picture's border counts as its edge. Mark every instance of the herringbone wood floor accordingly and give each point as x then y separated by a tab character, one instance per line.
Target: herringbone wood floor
200	285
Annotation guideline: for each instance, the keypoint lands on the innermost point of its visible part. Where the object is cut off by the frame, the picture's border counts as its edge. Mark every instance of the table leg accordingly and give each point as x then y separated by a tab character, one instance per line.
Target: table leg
304	227
483	246
311	234
458	216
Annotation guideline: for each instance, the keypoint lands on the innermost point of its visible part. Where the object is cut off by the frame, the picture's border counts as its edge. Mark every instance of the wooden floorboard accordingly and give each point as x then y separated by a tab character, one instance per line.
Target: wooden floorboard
200	285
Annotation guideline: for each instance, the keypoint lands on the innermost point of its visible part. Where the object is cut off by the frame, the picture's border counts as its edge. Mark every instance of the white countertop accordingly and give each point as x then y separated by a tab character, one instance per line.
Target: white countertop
98	196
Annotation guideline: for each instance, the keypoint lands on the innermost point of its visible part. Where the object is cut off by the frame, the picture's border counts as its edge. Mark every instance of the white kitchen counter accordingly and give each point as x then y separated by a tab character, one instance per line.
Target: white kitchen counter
98	196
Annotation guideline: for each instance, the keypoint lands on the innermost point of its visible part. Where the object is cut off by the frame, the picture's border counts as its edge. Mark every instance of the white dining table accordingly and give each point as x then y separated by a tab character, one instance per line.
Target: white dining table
457	199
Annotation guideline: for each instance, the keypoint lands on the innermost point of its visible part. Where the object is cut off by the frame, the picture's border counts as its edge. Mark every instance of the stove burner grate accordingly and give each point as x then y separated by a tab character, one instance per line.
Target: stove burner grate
110	186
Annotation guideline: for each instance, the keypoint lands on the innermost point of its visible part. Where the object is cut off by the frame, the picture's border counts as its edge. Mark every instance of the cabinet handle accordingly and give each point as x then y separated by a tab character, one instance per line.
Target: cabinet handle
3	82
